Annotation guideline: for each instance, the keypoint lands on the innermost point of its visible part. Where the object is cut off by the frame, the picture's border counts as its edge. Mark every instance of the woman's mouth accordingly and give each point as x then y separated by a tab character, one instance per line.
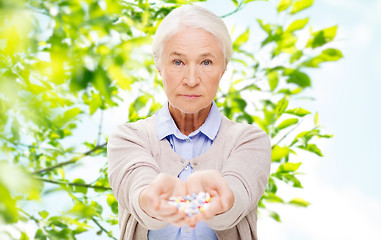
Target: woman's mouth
190	96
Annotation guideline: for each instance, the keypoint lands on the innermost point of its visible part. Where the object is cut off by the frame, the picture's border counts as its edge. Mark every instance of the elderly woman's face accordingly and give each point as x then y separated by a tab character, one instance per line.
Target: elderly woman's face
191	66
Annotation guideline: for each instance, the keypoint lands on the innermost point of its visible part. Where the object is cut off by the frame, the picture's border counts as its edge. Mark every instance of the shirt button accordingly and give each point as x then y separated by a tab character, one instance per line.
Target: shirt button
187	140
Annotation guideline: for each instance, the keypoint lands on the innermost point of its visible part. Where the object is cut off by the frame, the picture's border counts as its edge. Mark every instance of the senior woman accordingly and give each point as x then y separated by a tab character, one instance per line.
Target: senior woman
188	146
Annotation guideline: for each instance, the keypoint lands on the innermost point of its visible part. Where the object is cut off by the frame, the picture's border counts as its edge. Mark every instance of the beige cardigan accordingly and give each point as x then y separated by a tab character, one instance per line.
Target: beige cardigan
241	152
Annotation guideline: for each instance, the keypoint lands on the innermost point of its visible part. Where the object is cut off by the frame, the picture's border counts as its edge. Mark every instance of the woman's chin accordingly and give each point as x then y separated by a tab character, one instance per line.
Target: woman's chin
189	108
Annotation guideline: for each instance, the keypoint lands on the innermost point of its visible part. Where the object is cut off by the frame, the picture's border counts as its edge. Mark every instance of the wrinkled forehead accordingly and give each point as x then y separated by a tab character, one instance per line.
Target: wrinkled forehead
193	41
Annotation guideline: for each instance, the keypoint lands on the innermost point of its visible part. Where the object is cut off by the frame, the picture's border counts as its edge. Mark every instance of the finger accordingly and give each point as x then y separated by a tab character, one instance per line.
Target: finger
177	218
179	223
148	201
166	209
226	197
194	187
191	221
179	189
194	183
165	185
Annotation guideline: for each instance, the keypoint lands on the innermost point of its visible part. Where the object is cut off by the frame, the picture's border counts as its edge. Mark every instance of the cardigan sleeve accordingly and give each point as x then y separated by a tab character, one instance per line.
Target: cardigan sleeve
131	168
246	171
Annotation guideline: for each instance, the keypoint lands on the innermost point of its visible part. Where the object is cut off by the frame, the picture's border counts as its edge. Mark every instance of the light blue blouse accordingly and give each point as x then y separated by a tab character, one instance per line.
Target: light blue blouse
187	147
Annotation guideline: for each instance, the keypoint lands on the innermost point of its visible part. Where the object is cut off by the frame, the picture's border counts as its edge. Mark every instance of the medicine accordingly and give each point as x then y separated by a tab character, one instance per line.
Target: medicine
191	204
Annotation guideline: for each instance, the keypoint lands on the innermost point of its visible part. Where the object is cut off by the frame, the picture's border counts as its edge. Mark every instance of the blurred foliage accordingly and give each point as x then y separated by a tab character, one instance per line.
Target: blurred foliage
61	62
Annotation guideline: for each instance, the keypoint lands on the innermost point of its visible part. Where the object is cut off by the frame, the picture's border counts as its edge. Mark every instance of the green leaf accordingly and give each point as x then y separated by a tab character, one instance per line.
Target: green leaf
80	189
241	39
322	37
297	25
265	27
299	202
312	148
81	79
44	214
296	56
286	43
136	106
82	210
69	115
300	112
288	91
271	197
122	78
244	63
102	83
275	216
301	5
316	119
102	182
247	1
299	78
40	235
235	2
95	103
283	5
8	206
306	136
277	153
24	236
290	179
270	117
288	122
273	79
97	207
288	167
111	201
332	54
281	106
326	55
15	184
325	136
271	186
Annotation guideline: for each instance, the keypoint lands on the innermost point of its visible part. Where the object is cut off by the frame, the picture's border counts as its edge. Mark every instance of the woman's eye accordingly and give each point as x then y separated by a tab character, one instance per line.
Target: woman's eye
177	62
206	62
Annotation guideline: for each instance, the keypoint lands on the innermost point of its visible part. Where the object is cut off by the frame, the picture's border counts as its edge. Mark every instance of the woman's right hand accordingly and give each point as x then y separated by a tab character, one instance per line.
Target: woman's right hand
153	200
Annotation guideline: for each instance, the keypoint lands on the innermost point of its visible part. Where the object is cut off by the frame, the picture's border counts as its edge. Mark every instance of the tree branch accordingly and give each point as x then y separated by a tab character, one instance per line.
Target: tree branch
102	228
288	133
73	160
72	184
29	216
239	7
100	128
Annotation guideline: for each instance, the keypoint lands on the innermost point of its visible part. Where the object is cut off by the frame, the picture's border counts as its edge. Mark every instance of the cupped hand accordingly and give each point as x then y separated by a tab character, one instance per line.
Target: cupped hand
153	200
221	196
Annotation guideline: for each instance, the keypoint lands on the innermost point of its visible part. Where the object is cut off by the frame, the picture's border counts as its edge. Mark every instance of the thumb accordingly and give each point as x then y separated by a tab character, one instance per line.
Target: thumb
179	189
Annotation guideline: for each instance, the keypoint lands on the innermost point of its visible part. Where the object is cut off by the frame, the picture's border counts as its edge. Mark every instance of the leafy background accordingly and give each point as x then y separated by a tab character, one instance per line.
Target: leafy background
345	182
72	70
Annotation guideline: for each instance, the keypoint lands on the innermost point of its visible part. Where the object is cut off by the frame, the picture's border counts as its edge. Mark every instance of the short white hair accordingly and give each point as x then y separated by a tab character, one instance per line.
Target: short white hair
194	17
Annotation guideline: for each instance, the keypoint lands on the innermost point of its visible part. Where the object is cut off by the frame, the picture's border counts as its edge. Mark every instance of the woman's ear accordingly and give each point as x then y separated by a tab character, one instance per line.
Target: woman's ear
223	72
158	70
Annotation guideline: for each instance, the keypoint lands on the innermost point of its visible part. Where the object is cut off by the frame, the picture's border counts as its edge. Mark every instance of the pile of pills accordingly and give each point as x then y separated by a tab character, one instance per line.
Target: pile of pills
191	204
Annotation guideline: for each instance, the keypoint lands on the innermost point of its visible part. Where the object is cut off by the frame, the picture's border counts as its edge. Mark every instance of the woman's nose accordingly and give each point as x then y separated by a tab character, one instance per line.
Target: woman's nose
192	76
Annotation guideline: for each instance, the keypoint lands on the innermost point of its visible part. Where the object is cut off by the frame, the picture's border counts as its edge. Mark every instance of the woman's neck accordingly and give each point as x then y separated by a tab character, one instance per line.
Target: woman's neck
188	122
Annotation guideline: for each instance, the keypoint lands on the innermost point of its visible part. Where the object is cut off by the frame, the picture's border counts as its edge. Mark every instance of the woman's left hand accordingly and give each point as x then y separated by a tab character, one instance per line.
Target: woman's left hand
222	197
